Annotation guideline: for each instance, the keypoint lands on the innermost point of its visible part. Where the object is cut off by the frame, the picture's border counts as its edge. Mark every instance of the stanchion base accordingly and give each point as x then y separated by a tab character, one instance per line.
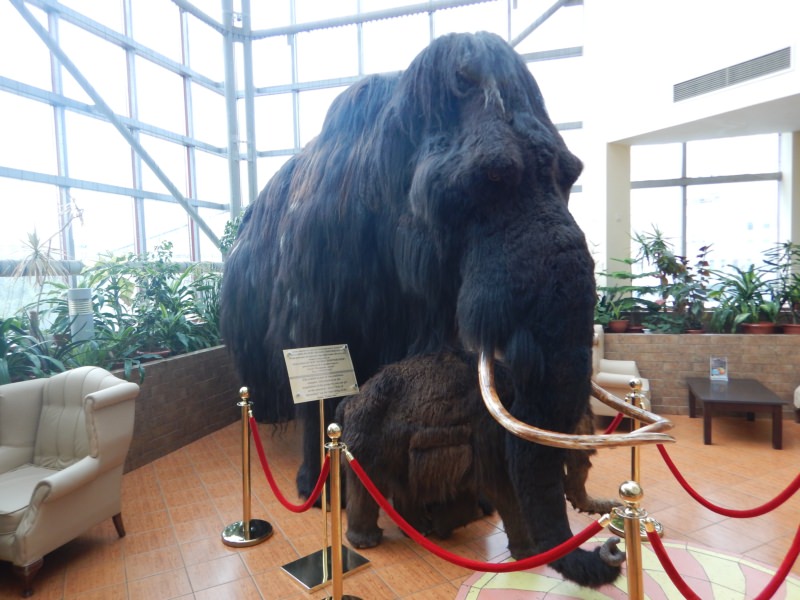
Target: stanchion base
617	527
312	574
234	534
345	597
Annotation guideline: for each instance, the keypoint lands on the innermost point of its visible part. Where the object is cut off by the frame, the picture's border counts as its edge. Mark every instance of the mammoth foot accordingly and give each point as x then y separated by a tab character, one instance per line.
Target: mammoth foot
594	506
592	569
610	552
368	538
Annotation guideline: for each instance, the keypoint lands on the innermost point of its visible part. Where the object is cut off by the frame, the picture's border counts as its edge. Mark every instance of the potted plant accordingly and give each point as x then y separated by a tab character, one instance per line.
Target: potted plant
143	308
784	259
626	303
682	288
747	301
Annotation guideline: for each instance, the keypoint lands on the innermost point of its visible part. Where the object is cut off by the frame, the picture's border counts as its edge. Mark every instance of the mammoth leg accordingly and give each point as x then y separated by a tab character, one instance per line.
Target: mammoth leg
309	470
413	512
454	513
362	515
504	497
537	473
576	471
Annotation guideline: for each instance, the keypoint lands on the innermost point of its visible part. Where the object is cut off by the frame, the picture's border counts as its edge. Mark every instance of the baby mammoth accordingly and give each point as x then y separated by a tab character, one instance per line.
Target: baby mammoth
421	432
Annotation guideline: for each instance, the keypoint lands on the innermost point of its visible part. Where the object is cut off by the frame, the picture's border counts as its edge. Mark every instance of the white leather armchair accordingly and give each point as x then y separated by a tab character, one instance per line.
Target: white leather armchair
613	376
63	443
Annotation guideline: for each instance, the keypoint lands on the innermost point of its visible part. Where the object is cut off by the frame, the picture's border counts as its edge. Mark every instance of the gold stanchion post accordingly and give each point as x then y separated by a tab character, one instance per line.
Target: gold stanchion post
335	448
636	398
631	494
247	532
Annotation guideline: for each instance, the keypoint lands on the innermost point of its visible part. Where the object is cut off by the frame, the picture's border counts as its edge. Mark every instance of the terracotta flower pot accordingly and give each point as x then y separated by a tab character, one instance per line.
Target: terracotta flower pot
791	328
618	326
762	327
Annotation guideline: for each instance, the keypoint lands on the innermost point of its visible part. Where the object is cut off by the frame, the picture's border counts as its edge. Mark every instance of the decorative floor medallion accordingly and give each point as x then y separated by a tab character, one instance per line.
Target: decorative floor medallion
711	574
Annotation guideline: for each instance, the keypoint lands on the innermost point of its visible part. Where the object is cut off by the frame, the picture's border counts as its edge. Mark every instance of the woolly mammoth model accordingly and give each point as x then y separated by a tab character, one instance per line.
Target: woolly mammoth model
421	432
431	210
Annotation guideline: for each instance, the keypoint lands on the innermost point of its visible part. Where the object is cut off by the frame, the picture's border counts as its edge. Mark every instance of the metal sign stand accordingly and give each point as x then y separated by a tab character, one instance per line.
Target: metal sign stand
315	374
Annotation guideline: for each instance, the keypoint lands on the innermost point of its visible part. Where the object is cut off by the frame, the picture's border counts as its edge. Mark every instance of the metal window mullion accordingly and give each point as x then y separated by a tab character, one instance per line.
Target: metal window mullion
188	129
379	15
123	41
102	105
39	95
83	184
292	40
360	41
230	109
65	208
139	224
684	200
537	23
249	104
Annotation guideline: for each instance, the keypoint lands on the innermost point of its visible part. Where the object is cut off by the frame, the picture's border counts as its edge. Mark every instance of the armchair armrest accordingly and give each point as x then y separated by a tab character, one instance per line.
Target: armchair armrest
613	380
109	422
65	481
621	367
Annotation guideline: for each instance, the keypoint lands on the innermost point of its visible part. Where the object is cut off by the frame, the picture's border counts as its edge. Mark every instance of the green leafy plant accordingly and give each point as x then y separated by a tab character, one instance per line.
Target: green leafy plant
22	355
744	296
143	307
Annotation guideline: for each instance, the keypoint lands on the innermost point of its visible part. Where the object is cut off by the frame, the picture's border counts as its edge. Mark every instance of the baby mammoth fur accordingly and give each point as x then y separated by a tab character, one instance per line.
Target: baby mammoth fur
420	431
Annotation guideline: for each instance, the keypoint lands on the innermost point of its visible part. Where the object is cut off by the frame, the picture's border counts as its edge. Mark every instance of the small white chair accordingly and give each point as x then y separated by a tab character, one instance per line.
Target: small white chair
797	405
614	376
63	443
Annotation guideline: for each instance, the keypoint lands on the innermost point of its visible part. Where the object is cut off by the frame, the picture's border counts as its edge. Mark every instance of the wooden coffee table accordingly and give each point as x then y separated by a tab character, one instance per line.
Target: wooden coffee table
744	395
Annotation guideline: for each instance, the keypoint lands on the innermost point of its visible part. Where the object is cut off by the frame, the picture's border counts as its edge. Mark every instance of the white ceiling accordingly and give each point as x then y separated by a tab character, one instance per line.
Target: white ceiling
777	116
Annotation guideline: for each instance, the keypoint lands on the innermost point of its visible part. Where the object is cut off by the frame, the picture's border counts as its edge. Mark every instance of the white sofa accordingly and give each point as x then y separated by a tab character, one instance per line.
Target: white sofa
614	376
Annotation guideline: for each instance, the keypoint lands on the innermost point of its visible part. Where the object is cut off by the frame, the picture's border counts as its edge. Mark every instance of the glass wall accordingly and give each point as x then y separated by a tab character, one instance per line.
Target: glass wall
159	68
722	192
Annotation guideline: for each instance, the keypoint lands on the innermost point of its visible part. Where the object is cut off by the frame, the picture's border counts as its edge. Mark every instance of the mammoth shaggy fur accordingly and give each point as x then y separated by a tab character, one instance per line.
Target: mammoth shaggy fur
430	212
421	432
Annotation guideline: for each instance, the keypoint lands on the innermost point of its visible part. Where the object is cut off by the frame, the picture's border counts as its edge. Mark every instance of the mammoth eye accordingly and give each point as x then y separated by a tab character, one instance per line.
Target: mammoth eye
462	82
494	175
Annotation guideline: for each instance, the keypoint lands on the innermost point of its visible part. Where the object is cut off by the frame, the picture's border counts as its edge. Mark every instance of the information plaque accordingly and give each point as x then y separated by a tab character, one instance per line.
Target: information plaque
320	372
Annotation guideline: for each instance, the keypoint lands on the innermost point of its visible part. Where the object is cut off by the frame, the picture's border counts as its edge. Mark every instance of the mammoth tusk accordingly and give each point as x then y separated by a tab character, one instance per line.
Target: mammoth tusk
649	434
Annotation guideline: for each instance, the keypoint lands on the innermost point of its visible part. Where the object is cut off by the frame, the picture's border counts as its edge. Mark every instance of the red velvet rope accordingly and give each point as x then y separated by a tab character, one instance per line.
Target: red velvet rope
474	565
666	562
614	424
729	512
297	508
683	588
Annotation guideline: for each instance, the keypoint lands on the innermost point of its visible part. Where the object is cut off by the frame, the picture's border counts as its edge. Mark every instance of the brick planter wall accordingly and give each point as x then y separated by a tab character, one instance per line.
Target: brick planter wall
667	360
182	399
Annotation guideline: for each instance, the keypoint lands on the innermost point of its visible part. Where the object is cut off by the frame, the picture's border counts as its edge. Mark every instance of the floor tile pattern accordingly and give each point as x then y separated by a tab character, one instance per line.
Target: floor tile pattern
175	509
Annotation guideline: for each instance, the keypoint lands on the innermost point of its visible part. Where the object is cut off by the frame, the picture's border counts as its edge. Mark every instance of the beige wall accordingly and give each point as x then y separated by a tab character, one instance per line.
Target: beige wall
667	360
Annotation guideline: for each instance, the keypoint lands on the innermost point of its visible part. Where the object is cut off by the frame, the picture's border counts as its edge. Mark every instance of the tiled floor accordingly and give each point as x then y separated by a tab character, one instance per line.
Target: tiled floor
176	508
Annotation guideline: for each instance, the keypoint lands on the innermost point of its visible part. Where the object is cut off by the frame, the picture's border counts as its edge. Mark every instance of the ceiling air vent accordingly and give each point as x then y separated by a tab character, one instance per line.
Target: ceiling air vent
744	71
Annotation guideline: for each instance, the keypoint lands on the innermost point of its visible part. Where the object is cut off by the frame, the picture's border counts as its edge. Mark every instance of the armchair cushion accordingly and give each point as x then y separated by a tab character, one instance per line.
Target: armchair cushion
18	486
